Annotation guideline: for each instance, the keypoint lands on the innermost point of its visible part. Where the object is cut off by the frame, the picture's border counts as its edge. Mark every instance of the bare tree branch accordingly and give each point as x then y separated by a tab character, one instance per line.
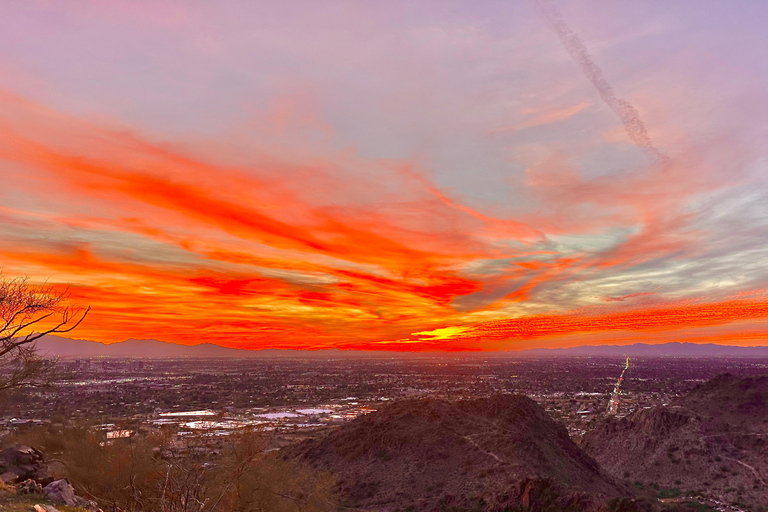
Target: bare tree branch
23	308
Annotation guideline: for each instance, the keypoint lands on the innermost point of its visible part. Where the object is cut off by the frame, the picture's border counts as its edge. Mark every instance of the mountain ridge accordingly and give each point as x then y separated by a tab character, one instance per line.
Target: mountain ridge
710	442
55	346
502	452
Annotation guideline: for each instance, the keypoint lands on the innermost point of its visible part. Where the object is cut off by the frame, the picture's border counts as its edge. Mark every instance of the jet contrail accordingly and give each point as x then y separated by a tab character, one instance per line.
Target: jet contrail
626	112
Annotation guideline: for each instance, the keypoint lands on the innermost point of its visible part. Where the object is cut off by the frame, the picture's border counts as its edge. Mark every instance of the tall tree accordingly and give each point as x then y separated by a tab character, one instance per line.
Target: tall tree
27	313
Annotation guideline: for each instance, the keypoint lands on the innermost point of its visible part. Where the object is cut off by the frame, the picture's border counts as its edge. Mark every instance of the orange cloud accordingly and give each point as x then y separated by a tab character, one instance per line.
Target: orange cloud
506	332
166	244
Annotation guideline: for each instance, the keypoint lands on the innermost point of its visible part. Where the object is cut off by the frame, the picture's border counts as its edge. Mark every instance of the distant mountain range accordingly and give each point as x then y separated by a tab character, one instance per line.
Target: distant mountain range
55	346
674	349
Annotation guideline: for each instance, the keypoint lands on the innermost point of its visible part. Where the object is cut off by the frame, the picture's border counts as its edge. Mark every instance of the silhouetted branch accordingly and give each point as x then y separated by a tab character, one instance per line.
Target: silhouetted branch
23	307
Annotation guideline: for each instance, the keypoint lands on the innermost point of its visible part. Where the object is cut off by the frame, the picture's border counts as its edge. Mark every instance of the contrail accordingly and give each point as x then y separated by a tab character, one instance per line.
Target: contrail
626	112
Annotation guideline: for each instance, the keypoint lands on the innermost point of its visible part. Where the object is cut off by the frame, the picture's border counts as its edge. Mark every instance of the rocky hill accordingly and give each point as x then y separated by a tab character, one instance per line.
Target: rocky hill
733	400
713	442
497	453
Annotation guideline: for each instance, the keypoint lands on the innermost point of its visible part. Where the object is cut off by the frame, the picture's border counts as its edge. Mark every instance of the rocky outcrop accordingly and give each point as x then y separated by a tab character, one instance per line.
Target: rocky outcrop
538	494
20	462
26	467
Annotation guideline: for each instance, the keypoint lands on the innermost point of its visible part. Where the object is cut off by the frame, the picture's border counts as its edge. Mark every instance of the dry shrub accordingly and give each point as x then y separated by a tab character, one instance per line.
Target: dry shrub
118	475
279	486
6	489
200	473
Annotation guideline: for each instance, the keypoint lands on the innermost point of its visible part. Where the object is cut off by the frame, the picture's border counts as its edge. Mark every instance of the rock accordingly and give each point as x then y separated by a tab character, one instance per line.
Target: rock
20	462
45	508
60	491
538	495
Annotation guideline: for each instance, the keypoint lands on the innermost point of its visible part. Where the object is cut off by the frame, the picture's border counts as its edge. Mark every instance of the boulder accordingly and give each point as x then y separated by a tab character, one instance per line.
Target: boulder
20	462
60	491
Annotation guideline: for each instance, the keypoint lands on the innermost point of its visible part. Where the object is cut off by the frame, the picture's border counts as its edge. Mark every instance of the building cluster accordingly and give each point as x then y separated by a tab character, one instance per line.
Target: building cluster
295	395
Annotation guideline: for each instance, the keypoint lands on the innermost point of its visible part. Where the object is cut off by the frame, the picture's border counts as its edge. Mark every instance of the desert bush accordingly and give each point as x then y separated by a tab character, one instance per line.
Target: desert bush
158	472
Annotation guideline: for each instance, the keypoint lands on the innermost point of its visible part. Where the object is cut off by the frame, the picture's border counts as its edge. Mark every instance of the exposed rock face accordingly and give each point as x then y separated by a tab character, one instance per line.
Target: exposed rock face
713	443
20	462
503	452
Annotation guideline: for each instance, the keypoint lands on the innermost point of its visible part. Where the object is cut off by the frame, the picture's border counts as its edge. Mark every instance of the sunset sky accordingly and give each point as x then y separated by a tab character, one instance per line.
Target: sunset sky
399	175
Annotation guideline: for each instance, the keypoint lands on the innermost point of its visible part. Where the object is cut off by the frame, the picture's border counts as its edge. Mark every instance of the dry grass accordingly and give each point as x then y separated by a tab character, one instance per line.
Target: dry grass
26	503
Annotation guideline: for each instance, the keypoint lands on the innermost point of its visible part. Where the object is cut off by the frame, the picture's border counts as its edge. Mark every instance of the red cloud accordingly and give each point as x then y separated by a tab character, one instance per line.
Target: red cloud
246	256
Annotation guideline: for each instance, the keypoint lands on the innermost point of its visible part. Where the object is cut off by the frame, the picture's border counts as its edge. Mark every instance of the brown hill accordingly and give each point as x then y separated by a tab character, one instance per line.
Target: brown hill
738	401
714	444
502	452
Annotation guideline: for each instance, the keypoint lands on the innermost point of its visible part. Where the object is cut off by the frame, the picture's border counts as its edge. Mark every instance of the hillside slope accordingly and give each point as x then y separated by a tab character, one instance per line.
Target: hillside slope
733	400
492	453
713	442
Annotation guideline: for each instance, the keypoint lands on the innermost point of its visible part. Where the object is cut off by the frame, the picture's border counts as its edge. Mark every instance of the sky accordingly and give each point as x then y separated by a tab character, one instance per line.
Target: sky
433	175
